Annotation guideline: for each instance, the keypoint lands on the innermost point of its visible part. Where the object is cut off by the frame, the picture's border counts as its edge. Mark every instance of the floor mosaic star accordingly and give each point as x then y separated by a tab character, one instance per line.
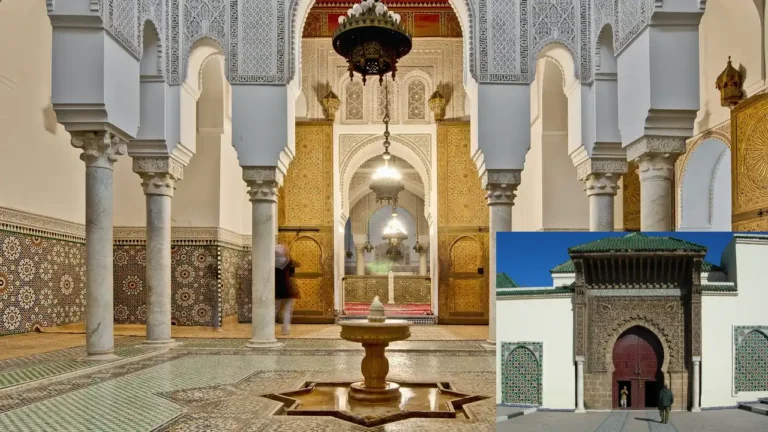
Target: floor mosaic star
213	385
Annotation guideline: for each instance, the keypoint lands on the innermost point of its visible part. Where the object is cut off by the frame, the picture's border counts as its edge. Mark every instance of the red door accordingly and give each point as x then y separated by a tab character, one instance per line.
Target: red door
637	361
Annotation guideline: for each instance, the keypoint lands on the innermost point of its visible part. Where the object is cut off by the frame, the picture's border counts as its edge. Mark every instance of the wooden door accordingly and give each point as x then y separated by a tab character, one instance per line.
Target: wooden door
636	359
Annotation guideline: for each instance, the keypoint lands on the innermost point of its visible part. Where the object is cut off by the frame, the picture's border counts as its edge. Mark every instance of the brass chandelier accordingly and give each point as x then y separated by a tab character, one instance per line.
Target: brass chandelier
372	40
387	182
395	234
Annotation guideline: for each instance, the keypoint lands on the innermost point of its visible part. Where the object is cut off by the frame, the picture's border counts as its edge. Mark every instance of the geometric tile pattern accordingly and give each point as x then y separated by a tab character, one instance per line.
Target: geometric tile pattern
522	373
187	389
42	282
751	363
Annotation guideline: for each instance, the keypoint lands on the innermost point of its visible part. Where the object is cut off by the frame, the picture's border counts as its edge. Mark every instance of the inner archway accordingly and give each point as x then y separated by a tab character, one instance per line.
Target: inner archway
637	360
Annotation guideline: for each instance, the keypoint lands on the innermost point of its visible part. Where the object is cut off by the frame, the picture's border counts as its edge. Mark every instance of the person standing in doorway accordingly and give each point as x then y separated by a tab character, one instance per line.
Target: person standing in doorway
285	289
666	399
624	395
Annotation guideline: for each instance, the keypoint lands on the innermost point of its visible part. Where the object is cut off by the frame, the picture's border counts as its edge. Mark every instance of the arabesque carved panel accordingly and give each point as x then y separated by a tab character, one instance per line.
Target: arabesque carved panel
462	198
363	289
750	157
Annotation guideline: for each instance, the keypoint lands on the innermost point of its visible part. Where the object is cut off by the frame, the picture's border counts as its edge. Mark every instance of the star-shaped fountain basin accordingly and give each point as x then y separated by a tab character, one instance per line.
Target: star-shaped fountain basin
417	400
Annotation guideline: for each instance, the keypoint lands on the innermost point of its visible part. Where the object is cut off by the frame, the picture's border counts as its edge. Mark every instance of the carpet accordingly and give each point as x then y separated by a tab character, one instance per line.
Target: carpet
363	309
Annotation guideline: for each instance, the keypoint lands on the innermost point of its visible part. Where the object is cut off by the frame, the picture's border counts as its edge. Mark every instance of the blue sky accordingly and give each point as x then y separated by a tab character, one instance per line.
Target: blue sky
527	257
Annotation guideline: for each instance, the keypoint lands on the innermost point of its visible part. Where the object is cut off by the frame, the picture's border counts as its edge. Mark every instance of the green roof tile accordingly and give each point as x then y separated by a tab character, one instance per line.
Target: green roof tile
719	288
504	281
638	242
568	267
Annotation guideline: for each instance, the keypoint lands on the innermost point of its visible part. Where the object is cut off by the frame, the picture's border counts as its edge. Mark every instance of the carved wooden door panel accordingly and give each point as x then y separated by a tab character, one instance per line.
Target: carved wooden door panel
749	164
467	276
636	359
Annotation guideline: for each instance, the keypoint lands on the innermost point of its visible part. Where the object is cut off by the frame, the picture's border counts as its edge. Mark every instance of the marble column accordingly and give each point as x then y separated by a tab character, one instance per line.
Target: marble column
262	189
360	259
696	387
580	384
655	157
601	190
423	261
391	288
500	186
158	175
100	152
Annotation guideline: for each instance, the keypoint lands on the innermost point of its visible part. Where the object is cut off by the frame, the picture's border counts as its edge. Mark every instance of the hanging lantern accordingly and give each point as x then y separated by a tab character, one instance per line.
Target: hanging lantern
387	182
730	83
437	104
371	39
330	104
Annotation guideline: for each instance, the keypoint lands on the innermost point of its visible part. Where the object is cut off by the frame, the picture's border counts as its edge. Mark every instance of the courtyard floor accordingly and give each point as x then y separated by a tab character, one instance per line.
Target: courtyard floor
727	420
213	383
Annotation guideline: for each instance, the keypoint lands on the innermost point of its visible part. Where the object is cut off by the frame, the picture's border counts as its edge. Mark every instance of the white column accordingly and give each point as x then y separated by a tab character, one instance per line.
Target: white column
360	259
580	384
100	152
159	175
262	189
500	187
391	288
655	157
423	261
696	387
601	190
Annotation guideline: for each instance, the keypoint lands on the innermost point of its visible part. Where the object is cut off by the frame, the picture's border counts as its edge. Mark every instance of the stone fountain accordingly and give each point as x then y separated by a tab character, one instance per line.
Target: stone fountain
375	334
374	401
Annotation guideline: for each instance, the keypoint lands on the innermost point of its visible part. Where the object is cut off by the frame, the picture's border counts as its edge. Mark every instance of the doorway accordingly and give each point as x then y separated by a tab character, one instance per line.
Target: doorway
637	360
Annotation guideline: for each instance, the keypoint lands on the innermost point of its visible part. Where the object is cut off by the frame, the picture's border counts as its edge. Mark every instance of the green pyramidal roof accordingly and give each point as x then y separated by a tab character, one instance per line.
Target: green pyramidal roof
504	281
638	242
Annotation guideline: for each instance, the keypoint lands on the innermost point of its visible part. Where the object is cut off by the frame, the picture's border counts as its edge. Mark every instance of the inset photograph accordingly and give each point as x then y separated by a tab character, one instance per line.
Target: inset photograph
632	331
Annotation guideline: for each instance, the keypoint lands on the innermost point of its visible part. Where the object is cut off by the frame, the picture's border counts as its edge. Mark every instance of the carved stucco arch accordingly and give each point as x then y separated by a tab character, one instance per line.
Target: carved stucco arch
298	11
563	54
204	39
599	44
371	147
666	343
313	240
160	46
204	50
721	133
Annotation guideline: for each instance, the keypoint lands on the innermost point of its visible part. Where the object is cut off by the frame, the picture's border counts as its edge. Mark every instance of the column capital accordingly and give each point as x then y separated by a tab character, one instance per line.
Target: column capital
579	359
158	174
602	184
100	149
262	183
501	185
696	359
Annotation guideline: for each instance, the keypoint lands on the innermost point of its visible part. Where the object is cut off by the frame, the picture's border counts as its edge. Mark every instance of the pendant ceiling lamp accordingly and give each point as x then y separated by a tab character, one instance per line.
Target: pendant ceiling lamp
387	182
394	233
371	39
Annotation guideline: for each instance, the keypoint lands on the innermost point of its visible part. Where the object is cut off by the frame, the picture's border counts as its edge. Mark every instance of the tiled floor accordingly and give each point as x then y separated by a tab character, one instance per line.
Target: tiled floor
731	420
214	385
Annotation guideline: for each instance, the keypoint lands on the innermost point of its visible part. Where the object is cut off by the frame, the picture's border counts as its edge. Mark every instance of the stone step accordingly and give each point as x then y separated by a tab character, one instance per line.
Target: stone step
504	413
757	408
763	400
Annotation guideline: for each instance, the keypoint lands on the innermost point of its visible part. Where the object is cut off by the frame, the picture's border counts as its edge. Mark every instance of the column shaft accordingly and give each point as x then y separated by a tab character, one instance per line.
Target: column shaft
601	212
100	151
159	269
580	385
423	262
360	261
601	179
263	192
696	388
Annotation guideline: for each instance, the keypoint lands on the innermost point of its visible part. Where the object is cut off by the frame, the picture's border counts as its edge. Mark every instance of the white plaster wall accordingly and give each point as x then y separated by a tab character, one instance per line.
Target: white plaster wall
728	28
566	205
720	314
130	202
232	196
196	200
549	321
41	172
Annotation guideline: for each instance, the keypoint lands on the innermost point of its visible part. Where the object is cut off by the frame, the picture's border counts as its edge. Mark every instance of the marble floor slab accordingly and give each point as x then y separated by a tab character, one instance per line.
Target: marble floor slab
214	385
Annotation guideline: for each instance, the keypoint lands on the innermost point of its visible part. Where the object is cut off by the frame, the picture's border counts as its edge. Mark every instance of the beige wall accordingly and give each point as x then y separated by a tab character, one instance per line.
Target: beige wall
41	172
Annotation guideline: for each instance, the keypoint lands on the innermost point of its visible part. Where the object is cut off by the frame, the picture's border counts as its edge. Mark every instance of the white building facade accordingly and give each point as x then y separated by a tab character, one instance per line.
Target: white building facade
717	359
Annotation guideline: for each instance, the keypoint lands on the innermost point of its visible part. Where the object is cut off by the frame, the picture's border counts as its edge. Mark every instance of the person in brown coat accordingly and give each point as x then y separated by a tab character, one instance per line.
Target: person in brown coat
285	289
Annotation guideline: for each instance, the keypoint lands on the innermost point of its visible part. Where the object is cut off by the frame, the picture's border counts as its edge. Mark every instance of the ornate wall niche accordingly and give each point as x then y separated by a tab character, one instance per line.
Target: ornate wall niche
750	363
522	373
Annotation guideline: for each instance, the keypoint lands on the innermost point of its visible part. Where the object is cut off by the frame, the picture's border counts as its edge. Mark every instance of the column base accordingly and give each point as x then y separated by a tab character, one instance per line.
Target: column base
695	409
580	411
263	343
162	343
105	357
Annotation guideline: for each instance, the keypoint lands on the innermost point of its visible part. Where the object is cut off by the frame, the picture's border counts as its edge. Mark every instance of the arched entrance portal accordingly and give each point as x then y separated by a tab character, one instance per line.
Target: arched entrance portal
637	360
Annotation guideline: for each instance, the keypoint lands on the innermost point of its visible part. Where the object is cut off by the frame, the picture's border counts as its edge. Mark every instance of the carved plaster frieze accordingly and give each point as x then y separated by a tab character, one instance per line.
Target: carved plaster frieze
647	145
184	235
100	149
500	177
159	165
38	225
601	166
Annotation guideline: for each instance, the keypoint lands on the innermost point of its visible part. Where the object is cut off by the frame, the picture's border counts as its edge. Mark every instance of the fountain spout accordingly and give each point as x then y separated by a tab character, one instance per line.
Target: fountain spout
377	314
